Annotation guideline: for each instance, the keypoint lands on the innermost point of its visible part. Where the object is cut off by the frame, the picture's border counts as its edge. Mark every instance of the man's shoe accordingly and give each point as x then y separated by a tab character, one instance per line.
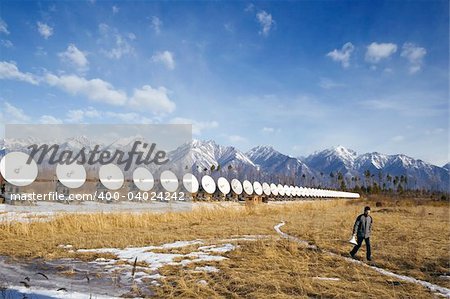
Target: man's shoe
352	256
369	259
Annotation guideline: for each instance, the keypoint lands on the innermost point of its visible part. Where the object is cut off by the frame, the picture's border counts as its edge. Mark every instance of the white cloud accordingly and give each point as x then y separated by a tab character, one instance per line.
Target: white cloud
83	115
268	130
9	70
414	54
236	139
376	52
13	114
327	83
40	51
94	89
75	116
156	24
78	115
229	27
115	9
45	30
266	21
197	126
3	27
6	43
129	117
343	55
250	7
119	45
48	119
165	58
75	57
153	99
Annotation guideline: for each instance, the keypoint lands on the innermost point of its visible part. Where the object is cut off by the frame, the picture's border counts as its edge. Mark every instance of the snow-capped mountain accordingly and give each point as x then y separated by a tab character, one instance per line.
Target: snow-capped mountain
266	163
337	159
200	156
371	161
273	162
417	173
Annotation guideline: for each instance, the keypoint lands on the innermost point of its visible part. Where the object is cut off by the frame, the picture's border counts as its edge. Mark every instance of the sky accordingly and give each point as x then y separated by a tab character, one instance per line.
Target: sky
301	76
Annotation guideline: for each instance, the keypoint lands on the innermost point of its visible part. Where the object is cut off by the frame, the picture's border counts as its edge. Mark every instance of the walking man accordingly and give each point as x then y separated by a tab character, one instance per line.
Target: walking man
362	230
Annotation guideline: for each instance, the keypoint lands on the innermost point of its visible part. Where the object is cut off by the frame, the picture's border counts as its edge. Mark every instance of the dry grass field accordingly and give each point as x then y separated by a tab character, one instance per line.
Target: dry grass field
408	238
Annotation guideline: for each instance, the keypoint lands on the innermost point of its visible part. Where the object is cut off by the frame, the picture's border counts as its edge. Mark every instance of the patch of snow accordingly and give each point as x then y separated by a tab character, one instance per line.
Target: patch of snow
214	248
432	287
207	269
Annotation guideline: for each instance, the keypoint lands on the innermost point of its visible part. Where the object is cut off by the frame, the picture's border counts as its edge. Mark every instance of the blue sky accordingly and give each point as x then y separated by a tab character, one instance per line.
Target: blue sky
300	75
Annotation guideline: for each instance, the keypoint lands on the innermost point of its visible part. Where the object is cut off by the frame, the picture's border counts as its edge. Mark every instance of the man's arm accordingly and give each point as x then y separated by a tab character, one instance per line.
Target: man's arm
355	227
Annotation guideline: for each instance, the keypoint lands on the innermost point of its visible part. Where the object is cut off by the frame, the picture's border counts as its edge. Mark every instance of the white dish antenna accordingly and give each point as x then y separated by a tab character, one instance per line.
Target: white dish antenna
248	187
15	170
71	175
266	189
143	179
274	189
292	190
208	184
169	180
111	176
190	183
287	191
223	185
258	188
297	191
236	186
280	189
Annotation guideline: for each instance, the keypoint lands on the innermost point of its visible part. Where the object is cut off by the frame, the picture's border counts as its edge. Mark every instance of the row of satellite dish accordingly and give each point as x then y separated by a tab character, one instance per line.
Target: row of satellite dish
17	171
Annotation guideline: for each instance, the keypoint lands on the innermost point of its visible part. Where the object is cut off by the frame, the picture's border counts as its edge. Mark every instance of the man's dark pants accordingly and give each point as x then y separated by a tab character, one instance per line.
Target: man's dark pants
359	240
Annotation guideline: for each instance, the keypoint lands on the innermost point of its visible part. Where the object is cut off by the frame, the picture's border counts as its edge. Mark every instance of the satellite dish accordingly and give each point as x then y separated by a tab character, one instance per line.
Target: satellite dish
274	189
190	183
287	191
292	190
266	189
208	184
223	185
169	180
71	175
258	188
304	191
143	179
248	188
15	170
111	176
236	186
297	191
280	189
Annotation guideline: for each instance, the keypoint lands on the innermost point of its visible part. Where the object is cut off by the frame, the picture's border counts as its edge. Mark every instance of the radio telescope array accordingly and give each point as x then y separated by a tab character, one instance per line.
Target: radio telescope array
16	170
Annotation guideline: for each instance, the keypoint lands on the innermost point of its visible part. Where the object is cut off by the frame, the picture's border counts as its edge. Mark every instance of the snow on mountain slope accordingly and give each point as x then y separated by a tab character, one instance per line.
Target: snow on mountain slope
266	163
337	159
272	161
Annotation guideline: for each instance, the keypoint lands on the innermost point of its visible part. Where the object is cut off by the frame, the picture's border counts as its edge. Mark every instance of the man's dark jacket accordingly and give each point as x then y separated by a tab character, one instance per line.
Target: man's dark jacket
363	226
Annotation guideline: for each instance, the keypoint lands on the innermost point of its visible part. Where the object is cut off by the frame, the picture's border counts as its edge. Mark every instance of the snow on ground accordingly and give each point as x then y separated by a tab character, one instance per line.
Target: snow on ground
45	211
109	277
432	287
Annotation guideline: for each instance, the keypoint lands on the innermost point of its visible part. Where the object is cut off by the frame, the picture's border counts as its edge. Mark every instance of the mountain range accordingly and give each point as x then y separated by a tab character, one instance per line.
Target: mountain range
330	168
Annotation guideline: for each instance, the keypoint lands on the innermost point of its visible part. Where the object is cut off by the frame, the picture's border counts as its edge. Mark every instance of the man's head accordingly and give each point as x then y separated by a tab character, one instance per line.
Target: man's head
367	210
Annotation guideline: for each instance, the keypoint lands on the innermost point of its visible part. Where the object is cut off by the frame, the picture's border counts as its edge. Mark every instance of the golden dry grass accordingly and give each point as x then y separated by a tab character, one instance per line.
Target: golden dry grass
407	239
282	269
